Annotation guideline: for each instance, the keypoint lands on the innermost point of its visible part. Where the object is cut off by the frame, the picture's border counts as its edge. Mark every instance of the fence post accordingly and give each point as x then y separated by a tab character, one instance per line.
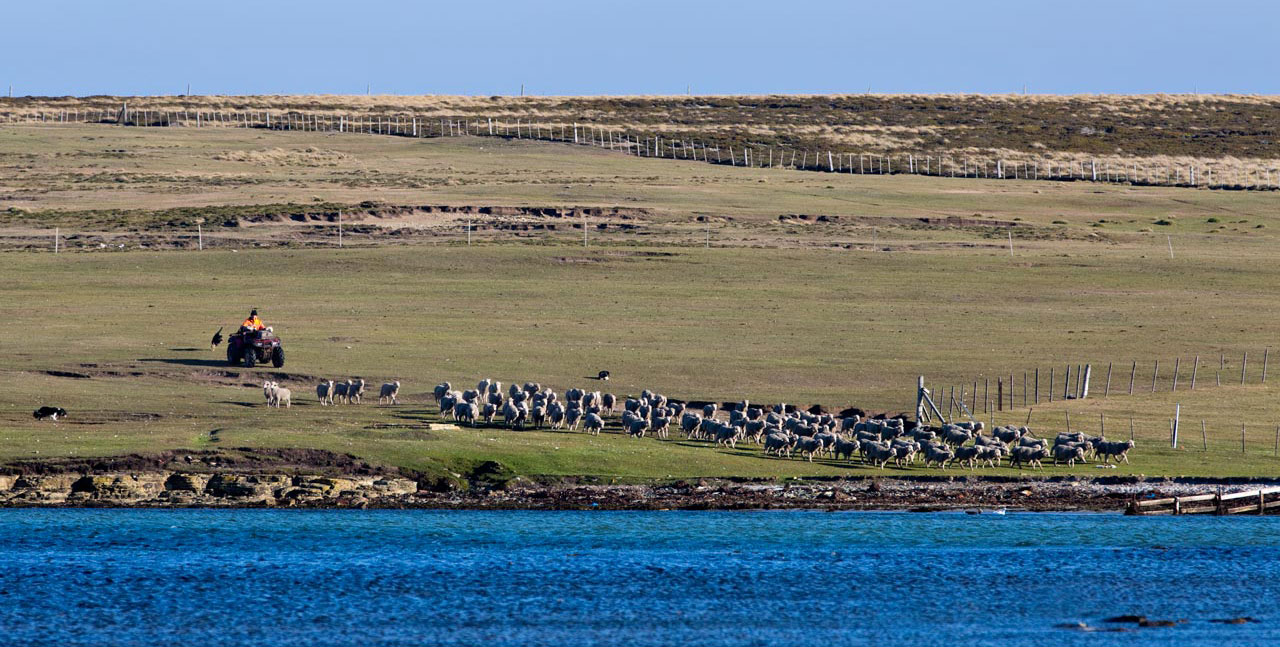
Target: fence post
55	240
1107	392
1177	418
1155	373
1177	362
1265	353
1133	372
1243	363
1194	367
1037	398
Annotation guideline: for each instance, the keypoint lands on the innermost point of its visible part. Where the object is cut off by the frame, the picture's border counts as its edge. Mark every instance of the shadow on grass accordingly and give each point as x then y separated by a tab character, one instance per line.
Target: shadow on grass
220	363
241	404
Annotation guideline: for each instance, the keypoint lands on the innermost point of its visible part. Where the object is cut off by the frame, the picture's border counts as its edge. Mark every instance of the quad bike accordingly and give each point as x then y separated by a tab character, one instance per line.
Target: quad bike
254	347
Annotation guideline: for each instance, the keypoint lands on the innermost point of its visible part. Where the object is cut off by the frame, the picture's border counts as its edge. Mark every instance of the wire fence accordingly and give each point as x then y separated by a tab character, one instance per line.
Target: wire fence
1226	174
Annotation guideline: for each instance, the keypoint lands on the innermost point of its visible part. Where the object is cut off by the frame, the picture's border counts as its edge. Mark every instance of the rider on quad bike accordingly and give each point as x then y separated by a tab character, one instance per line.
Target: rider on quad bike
254	343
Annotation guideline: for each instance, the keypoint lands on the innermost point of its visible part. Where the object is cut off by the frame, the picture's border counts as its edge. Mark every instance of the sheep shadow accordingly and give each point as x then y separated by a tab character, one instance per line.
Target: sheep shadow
221	363
249	405
185	350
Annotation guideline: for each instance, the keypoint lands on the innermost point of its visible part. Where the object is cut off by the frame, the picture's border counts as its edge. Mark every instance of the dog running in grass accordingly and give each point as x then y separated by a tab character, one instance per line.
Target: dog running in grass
52	413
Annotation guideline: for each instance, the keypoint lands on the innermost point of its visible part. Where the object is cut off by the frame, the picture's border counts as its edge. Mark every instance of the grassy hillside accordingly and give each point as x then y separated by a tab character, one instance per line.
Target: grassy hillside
703	282
125	337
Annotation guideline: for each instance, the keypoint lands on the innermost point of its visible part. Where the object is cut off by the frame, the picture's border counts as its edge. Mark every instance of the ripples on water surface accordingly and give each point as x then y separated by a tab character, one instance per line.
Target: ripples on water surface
268	578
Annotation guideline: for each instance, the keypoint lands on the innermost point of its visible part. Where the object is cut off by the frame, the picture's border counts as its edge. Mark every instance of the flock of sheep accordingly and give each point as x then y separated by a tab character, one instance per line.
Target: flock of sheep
781	430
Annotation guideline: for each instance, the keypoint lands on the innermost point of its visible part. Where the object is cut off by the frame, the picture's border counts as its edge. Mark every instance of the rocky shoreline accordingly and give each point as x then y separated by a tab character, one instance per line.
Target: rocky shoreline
161	489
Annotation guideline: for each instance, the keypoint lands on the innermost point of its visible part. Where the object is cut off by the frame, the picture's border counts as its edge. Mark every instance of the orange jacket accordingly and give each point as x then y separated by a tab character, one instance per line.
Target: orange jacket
253	323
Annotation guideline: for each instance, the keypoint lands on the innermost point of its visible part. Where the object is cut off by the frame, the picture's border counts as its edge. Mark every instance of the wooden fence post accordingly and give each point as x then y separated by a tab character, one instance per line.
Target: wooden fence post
1155	373
1204	437
1050	384
1107	392
1037	398
1133	372
1265	353
1194	368
1177	362
1000	394
1244	362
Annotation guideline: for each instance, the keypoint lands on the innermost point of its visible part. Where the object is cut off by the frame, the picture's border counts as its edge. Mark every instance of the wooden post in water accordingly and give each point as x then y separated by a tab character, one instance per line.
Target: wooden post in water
1107	392
1133	372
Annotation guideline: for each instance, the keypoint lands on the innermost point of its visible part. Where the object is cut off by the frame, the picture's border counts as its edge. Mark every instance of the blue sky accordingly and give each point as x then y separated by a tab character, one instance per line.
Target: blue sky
79	47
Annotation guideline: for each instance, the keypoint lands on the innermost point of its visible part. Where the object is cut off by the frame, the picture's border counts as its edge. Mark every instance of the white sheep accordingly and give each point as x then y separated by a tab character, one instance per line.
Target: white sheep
280	394
354	390
324	391
389	392
340	391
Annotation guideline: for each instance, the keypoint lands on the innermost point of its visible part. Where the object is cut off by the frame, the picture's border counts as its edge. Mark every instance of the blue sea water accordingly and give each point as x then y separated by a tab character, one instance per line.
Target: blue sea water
274	578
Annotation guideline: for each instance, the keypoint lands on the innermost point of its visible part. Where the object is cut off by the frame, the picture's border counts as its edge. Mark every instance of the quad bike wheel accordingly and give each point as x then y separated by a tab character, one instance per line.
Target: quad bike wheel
277	356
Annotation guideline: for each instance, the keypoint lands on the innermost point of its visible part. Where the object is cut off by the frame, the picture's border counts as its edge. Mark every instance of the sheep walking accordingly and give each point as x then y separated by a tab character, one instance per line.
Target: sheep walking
1107	450
389	392
280	395
1028	455
355	390
339	392
324	391
442	389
